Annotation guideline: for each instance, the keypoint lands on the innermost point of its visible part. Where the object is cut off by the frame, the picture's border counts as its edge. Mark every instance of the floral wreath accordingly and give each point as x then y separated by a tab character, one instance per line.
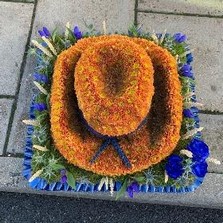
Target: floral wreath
73	144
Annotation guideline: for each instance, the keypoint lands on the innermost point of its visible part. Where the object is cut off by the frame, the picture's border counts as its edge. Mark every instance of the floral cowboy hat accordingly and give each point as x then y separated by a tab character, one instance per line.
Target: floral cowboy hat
116	104
114	112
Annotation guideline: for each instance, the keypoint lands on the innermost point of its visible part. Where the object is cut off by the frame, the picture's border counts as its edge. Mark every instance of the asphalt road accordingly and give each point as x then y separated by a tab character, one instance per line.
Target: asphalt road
31	208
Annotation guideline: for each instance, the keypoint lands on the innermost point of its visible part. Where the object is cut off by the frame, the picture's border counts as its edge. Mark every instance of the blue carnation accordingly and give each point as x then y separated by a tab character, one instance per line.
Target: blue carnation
179	37
174	167
175	159
199	149
186	70
77	32
199	169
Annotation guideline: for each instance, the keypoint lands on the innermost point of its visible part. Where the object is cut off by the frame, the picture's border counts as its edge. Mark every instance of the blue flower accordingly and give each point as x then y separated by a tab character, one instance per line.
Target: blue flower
189	57
133	187
63	178
77	32
186	70
45	32
40	78
179	37
190	113
174	167
199	149
40	106
199	169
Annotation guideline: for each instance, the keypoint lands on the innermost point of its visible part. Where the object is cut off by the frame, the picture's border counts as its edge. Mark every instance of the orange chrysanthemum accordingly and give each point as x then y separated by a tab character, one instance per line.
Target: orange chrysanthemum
114	86
148	145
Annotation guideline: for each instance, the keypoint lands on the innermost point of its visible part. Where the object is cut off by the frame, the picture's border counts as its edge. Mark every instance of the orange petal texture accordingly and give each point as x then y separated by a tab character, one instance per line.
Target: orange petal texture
149	144
114	86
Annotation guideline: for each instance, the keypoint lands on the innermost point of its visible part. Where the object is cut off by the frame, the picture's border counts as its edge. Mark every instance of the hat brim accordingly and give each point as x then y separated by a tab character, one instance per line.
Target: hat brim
148	145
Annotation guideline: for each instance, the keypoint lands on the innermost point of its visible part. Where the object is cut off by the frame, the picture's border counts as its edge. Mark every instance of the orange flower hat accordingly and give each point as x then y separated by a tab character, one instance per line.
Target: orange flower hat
116	104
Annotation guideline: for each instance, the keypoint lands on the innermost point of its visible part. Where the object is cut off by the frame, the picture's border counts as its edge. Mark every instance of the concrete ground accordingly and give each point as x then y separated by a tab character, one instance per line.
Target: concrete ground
26	208
200	20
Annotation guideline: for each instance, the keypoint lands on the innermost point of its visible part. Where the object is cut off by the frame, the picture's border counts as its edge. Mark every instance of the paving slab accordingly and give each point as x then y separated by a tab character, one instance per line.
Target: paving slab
204	7
119	15
210	194
25	1
73	11
5	111
17	137
10	172
205	37
15	19
213	136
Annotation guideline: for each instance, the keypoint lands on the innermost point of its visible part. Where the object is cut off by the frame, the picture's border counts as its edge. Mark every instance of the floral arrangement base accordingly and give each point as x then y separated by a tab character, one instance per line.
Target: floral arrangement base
114	113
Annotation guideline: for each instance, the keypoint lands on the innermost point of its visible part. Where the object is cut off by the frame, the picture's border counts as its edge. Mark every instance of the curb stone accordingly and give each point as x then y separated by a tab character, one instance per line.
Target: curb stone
210	194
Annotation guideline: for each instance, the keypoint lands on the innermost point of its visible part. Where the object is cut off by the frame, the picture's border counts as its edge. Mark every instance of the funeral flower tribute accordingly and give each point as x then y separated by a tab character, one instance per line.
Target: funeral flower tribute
114	112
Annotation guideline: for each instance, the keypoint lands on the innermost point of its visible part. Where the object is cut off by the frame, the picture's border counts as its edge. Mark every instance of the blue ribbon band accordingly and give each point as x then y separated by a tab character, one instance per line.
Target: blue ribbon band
107	141
113	141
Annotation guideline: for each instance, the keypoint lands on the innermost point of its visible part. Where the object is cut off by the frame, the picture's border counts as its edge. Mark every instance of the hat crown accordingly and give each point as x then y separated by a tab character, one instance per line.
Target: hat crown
114	86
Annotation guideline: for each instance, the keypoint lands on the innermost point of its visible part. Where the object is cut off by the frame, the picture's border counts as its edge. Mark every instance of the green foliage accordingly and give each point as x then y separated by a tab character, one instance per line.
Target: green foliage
71	180
134	31
187	124
139	179
122	190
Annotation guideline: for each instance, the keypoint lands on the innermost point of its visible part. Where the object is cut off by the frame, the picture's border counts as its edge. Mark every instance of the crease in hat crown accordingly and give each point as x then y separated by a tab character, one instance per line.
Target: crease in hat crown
114	86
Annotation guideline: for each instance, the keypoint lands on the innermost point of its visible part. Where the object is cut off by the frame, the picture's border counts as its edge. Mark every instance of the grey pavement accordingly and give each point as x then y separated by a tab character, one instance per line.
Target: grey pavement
26	208
201	21
205	38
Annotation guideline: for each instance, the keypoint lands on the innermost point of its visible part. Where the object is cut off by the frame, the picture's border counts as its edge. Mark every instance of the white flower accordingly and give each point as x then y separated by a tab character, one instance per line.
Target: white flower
104	27
192	104
67	30
43	49
192	132
41	148
187	52
186	152
155	39
162	37
111	184
166	177
35	175
188	97
106	183
31	122
102	182
50	45
43	90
